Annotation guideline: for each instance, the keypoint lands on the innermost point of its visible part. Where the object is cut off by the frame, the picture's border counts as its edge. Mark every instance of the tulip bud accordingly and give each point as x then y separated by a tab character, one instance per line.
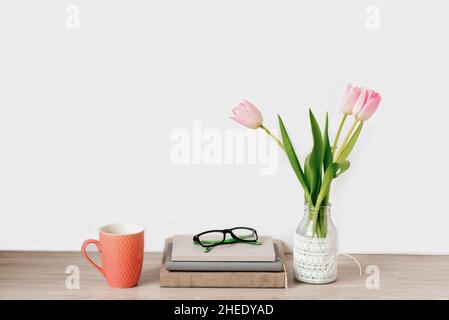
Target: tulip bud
370	107
349	99
248	115
366	104
360	102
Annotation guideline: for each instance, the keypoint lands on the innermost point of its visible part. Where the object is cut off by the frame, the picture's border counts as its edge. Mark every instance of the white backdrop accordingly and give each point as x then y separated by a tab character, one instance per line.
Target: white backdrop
94	93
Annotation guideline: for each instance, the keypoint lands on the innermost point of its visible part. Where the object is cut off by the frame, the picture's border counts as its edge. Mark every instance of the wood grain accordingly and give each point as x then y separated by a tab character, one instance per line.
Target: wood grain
41	275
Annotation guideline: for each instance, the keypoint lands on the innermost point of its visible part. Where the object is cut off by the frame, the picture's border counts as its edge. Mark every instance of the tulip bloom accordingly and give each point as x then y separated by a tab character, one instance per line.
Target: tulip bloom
366	104
362	108
248	115
349	99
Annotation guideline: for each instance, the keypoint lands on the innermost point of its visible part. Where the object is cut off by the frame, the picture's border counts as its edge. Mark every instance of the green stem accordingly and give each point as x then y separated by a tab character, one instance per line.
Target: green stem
273	136
348	136
334	147
307	195
313	216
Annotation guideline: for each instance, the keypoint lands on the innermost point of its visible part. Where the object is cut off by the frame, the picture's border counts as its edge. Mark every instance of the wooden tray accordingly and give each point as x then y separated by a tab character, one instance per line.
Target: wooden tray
192	279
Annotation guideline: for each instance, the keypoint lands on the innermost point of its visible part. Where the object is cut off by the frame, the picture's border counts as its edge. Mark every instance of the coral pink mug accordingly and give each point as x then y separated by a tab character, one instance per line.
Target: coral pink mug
121	247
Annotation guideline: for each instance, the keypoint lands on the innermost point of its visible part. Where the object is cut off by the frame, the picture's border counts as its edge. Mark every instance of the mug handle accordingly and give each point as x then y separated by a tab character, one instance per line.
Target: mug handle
83	249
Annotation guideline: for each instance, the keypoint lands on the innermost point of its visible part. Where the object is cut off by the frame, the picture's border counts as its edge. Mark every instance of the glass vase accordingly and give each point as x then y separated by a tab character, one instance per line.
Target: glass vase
315	247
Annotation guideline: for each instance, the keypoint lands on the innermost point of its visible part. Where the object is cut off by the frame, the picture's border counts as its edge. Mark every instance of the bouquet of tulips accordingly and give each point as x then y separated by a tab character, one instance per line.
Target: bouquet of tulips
325	162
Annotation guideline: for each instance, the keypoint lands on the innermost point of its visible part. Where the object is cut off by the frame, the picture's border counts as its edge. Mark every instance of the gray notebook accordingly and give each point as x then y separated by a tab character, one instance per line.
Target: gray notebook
261	266
183	250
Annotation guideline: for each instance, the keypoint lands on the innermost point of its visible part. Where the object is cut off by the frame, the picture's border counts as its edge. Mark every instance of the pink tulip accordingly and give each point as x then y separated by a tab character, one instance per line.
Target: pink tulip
360	102
248	115
350	97
366	104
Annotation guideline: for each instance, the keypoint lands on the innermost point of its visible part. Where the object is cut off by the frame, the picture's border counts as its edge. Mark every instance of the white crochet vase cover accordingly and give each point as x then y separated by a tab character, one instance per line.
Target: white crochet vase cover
314	259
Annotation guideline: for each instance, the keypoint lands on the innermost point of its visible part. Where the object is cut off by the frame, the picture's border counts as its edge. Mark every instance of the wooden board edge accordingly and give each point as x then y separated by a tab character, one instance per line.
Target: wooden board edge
169	280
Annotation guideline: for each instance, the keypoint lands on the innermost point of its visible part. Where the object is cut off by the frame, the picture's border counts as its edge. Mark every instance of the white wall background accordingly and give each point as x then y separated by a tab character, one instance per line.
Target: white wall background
86	117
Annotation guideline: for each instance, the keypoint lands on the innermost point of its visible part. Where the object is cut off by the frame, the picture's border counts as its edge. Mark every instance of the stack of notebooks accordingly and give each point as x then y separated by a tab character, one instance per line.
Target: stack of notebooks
237	265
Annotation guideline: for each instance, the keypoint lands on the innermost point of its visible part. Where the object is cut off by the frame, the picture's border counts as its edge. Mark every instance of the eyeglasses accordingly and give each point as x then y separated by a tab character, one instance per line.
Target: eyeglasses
212	238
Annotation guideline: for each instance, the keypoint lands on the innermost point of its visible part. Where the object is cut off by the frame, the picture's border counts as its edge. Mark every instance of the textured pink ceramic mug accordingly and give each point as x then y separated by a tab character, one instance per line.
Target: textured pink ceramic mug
121	247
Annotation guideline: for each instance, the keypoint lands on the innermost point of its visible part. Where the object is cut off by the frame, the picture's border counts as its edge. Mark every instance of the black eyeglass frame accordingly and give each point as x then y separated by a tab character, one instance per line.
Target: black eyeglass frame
196	238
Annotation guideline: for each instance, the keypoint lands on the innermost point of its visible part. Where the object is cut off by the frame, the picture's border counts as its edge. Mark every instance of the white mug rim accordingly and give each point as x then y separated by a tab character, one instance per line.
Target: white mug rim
138	229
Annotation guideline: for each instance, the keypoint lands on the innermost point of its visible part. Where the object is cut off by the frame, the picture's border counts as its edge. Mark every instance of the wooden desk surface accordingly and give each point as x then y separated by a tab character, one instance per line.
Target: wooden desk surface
42	275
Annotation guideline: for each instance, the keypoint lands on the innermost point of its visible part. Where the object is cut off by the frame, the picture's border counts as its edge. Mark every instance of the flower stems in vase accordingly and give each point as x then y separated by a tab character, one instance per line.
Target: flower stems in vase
325	162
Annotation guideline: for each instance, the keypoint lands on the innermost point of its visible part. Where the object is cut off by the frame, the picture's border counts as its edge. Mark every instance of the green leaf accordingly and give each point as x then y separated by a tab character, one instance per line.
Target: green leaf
319	223
291	154
324	191
343	167
327	159
350	145
308	172
327	179
316	157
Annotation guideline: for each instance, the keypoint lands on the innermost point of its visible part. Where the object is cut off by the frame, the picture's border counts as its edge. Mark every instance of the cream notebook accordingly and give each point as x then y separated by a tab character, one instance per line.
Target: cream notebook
185	250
